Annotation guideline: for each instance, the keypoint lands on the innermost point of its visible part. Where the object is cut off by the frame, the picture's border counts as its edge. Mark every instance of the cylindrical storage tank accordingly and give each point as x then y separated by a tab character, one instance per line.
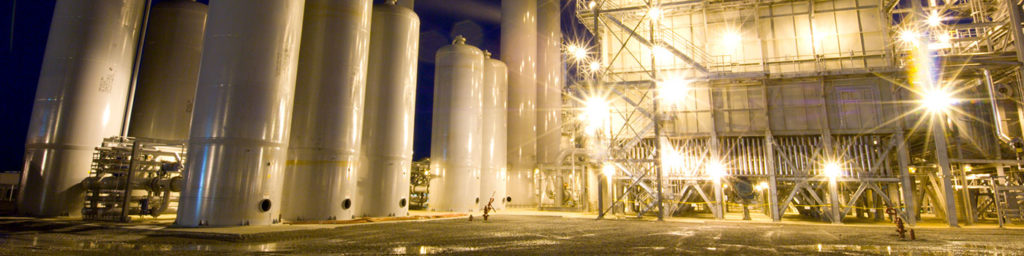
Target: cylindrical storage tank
455	142
80	100
549	83
169	71
519	52
386	154
327	119
239	136
493	163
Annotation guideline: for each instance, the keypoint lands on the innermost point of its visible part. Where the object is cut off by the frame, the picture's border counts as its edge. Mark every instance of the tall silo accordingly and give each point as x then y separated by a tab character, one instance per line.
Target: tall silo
519	52
549	83
239	135
80	100
494	166
455	153
328	114
386	153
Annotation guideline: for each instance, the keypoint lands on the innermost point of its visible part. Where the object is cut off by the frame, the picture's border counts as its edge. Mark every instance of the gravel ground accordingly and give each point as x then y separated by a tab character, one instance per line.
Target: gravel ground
512	235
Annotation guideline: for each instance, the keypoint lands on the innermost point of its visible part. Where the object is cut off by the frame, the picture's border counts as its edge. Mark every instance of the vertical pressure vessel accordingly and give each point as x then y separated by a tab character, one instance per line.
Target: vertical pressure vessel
519	51
493	161
169	71
386	154
81	99
455	143
549	83
237	146
328	115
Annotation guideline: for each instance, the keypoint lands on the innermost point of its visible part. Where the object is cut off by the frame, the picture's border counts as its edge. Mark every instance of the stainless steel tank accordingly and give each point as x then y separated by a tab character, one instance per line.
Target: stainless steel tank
455	143
493	163
549	83
386	153
519	52
237	146
169	71
80	100
328	114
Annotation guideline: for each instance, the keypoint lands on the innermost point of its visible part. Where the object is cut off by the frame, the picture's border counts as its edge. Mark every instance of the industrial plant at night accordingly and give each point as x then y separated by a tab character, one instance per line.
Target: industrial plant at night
748	127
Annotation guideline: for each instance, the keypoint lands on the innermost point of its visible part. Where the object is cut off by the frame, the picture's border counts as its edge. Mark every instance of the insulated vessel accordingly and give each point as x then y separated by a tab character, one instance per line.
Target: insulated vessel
519	52
169	70
455	143
493	163
386	153
328	114
549	83
81	98
239	135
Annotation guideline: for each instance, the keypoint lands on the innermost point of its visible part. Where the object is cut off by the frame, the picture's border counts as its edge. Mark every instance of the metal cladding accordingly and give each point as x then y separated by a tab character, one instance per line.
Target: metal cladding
455	142
169	71
493	163
386	153
327	121
549	83
80	100
519	52
242	115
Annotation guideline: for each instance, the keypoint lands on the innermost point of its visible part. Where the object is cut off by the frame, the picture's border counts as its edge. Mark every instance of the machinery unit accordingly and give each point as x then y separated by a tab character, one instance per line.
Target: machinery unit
519	52
323	153
133	177
494	128
168	71
386	152
81	98
456	148
239	134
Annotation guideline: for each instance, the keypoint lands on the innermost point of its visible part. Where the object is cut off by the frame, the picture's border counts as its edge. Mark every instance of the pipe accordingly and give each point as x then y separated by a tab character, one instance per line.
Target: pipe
997	116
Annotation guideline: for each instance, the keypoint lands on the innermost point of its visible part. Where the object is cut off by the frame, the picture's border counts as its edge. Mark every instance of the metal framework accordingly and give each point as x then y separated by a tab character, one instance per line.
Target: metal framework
796	106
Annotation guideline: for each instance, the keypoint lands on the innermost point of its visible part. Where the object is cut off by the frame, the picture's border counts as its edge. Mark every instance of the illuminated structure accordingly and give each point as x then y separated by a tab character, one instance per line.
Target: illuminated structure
826	105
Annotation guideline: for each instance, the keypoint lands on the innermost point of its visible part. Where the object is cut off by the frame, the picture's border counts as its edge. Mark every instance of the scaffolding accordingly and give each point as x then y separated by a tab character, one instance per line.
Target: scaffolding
819	108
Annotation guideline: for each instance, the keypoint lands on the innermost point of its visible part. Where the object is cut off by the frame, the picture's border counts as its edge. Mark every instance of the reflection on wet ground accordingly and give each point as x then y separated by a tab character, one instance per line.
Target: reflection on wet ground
516	235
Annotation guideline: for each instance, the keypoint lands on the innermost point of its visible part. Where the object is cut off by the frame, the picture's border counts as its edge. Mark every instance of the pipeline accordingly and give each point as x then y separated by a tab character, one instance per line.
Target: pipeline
997	115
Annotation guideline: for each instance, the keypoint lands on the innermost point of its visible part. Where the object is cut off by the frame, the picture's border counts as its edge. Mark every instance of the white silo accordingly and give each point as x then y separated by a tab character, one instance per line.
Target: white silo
455	147
386	153
80	100
519	52
493	163
549	83
328	114
239	135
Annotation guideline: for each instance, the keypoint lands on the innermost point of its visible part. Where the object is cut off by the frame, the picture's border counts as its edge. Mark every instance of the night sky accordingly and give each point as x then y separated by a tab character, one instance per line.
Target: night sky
26	25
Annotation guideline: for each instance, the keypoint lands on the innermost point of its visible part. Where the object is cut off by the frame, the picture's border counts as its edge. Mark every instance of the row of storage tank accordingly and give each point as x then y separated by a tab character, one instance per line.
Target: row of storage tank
278	131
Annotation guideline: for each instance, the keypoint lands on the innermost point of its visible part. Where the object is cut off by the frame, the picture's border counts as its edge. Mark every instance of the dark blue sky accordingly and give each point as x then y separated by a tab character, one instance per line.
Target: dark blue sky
27	22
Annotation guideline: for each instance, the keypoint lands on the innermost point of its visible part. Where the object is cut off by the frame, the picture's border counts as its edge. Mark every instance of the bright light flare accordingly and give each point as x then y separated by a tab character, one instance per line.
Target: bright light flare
595	66
578	53
596	112
909	36
673	91
655	12
661	53
608	170
732	39
762	186
934	19
937	100
832	170
592	4
715	170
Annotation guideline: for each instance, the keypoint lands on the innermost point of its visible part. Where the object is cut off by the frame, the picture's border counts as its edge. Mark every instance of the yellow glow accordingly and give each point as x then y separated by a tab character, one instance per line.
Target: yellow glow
608	170
673	90
912	169
967	168
715	170
937	100
909	36
671	161
596	112
661	53
832	170
592	4
654	13
578	53
762	186
595	66
732	39
934	19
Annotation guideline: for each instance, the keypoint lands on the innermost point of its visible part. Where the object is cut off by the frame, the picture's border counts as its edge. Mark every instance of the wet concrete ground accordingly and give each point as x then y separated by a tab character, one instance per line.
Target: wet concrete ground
511	235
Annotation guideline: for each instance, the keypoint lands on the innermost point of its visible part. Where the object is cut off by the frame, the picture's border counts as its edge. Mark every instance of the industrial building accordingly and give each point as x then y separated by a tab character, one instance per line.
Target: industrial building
238	114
